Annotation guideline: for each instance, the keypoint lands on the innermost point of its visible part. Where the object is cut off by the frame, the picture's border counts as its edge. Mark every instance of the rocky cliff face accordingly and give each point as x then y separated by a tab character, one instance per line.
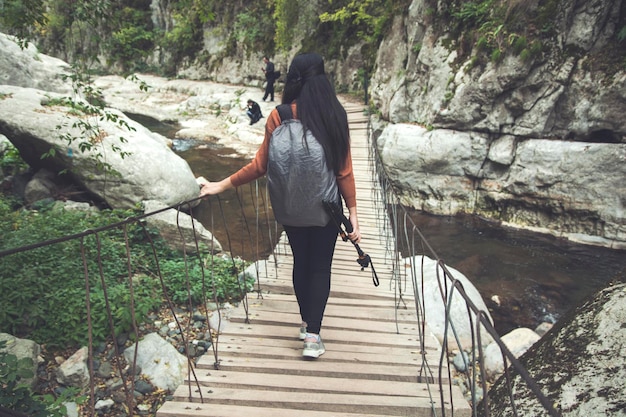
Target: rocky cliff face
537	143
560	94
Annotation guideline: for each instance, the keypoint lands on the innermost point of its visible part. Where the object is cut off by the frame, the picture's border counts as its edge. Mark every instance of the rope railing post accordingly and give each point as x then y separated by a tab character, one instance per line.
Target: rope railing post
92	388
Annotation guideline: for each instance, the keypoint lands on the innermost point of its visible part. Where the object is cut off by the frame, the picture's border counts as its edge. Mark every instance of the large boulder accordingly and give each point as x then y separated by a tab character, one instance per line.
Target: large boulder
545	185
432	168
204	110
578	365
23	349
125	165
444	304
517	342
159	361
28	68
564	92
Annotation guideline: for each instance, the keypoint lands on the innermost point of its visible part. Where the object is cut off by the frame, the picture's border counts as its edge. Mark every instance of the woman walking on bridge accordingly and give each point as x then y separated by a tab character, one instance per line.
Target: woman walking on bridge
312	100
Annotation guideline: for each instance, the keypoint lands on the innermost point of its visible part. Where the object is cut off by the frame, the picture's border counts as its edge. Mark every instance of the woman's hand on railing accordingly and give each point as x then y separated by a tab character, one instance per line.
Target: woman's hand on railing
208	188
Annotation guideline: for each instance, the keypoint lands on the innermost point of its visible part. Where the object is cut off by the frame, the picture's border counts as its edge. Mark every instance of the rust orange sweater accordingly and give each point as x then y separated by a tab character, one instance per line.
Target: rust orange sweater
258	166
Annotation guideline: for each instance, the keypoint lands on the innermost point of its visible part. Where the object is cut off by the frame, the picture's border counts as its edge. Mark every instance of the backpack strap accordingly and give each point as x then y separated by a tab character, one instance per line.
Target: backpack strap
284	111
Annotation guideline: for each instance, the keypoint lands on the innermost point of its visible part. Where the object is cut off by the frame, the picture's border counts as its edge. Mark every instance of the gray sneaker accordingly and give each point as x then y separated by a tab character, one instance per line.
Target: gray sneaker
302	332
313	349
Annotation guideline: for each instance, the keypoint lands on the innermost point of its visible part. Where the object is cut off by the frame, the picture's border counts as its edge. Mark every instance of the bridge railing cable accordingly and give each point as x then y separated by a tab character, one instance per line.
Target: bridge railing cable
95	279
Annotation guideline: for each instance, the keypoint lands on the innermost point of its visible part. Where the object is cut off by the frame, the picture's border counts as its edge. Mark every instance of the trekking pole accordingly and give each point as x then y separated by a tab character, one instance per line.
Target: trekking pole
336	214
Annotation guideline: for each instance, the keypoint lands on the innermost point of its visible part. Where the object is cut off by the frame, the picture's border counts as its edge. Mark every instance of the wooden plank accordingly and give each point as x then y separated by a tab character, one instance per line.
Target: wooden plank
321	394
330	335
338	289
188	409
256	347
286	302
338	316
214	379
326	401
325	368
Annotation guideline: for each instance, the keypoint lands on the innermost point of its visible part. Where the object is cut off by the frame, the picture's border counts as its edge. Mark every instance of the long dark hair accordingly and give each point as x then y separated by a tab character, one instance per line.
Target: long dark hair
319	109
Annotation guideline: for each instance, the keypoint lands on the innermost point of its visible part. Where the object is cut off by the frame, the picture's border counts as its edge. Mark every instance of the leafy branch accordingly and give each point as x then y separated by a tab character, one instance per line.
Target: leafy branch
16	395
370	17
86	119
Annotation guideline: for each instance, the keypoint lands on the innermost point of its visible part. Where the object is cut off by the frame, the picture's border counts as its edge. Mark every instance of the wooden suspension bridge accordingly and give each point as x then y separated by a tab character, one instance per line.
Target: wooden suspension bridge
375	363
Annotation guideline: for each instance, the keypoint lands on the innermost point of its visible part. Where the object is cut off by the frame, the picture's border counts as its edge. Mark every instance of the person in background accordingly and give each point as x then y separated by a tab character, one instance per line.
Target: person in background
269	78
254	111
313	101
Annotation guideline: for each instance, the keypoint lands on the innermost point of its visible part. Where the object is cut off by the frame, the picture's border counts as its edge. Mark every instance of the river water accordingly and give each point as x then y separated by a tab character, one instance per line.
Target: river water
525	278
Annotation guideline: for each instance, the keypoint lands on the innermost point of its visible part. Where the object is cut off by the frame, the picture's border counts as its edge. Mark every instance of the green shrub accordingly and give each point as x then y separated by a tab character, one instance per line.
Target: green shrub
497	28
192	284
14	395
496	55
17	396
132	36
130	43
184	39
482	44
246	28
43	290
16	17
286	15
11	162
519	43
473	13
525	55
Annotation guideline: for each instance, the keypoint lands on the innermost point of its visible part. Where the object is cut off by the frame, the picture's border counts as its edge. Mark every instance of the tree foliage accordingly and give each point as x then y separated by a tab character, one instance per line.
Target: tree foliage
370	18
286	14
185	34
124	31
19	17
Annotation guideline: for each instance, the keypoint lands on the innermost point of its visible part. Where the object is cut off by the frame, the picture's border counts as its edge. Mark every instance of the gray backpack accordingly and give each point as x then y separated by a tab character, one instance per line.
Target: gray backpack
298	176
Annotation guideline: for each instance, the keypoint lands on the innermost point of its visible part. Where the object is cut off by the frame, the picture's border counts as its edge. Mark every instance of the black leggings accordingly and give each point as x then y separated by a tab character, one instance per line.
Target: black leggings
312	249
